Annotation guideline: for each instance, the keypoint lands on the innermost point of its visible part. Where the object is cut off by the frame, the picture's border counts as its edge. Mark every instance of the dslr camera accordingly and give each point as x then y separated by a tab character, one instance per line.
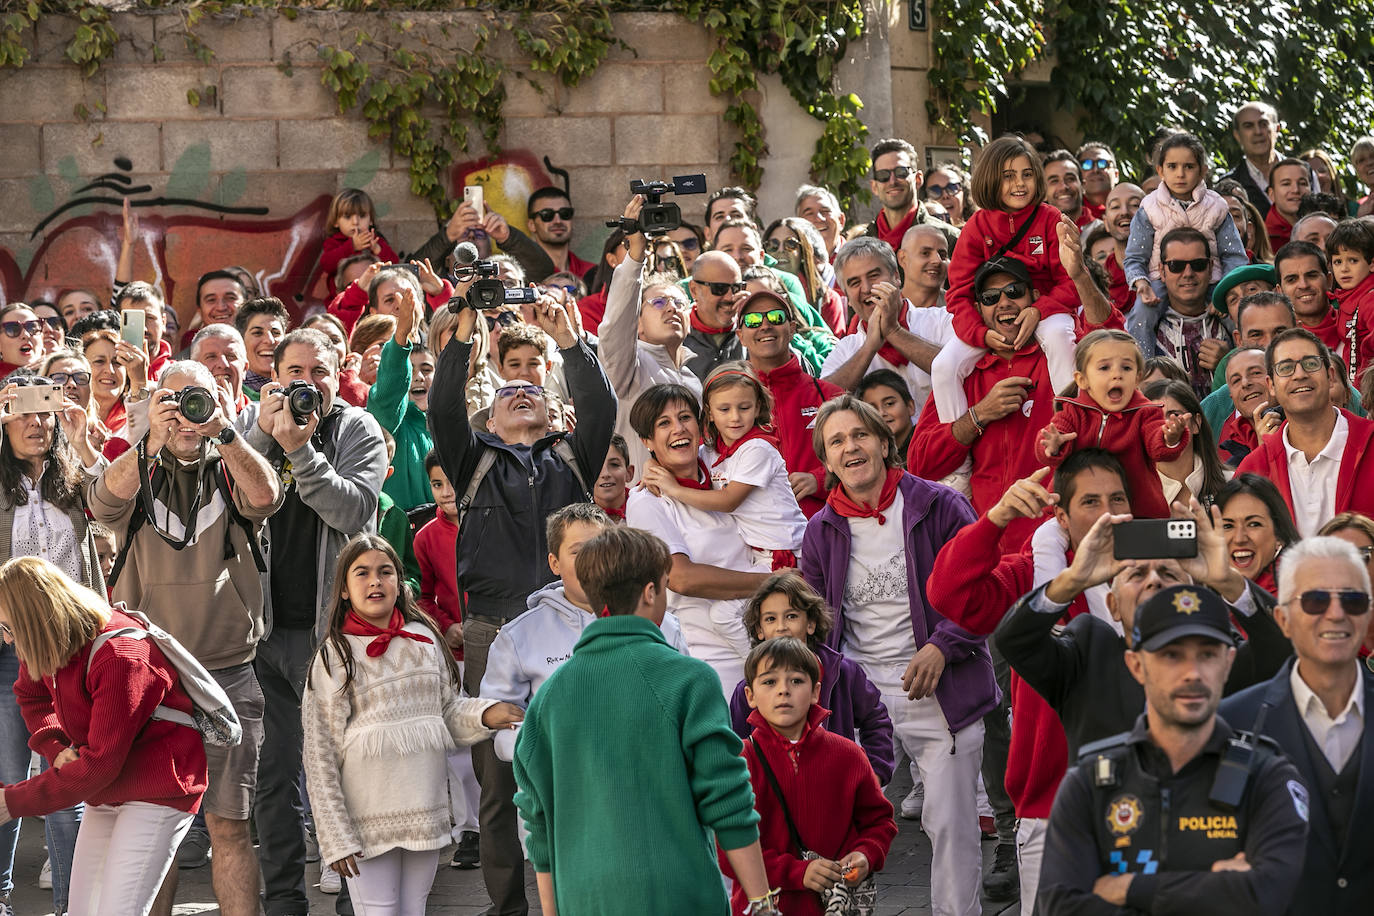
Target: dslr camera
487	291
193	402
302	399
657	216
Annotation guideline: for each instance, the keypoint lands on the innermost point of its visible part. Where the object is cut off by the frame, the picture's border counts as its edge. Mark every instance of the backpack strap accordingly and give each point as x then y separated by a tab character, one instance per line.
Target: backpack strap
165	713
563	449
484	464
225	487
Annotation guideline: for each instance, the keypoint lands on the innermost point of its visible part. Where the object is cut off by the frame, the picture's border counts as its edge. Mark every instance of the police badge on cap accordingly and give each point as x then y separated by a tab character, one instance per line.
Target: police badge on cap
1179	611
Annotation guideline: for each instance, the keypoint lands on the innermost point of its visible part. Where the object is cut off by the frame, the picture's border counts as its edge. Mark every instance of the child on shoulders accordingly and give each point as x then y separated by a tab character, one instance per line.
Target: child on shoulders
353	221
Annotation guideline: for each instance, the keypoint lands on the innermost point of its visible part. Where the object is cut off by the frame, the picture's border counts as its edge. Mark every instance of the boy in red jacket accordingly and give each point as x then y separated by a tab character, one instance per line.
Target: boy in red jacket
829	791
1351	250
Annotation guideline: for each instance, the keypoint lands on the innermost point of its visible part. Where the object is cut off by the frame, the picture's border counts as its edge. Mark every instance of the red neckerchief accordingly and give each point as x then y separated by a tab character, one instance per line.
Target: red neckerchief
701	482
893	234
355	625
840	501
756	433
618	514
703	327
887	351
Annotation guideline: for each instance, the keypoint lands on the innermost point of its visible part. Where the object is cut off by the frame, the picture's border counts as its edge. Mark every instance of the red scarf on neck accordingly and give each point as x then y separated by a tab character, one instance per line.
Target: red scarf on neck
701	482
617	514
893	234
841	502
887	351
756	433
703	327
355	625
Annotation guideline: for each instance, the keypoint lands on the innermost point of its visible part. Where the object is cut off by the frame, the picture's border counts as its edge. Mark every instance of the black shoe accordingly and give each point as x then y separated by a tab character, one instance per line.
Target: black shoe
194	850
466	857
1003	880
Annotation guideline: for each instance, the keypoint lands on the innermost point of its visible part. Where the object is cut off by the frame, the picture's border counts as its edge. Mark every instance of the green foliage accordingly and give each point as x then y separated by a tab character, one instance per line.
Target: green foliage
976	47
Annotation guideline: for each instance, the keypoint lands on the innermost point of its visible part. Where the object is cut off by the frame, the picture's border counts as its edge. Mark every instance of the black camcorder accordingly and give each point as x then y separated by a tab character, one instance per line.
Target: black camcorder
657	216
487	291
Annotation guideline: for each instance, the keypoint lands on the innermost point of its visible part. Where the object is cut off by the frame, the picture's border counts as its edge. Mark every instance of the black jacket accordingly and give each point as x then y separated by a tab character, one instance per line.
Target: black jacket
1161	827
1240	172
706	356
502	551
1081	669
1333	880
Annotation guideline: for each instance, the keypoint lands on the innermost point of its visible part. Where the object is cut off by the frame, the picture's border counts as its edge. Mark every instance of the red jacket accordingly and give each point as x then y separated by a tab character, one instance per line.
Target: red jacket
339	247
1239	430
979	239
352	388
1331	331
1280	230
125	755
833	797
974	587
1353	490
160	359
592	308
1135	435
435	547
1357	327
1121	294
796	399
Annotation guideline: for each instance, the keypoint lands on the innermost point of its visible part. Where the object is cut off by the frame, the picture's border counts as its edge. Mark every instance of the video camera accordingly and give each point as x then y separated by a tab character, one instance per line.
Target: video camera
657	216
487	292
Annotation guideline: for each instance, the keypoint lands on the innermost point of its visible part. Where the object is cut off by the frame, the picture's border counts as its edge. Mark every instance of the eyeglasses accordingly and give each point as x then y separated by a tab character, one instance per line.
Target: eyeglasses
721	289
1177	265
548	213
940	190
1011	291
1310	364
773	246
1090	164
510	391
78	378
15	328
901	173
1316	601
666	302
753	320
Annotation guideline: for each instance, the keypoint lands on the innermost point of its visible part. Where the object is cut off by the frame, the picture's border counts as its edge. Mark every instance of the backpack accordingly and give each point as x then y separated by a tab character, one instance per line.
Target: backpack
212	714
561	448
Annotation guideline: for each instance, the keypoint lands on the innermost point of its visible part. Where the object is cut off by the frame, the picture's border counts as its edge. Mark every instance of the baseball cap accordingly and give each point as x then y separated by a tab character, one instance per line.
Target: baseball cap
1179	611
1011	266
764	300
1243	274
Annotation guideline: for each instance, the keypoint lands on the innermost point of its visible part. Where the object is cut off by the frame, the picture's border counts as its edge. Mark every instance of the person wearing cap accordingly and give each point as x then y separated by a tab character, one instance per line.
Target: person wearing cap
1143	823
1241	282
1315	709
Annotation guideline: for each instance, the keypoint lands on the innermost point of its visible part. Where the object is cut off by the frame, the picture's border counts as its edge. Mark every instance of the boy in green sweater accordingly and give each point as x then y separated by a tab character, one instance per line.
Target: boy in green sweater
399	400
626	762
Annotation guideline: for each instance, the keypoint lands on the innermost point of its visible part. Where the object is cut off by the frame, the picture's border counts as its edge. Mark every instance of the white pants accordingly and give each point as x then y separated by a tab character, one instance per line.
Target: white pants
122	854
949	768
464	794
395	883
956	360
1030	849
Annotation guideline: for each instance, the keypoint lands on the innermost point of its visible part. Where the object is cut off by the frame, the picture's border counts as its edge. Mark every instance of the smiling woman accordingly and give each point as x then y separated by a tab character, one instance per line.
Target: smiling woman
1257	526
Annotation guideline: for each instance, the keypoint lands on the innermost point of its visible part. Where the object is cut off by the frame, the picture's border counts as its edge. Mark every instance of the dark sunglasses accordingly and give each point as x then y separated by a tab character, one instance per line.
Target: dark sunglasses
79	378
504	319
940	190
689	244
721	289
901	172
548	213
1310	364
1177	265
15	328
54	322
773	246
1011	291
753	320
1315	601
1090	164
510	391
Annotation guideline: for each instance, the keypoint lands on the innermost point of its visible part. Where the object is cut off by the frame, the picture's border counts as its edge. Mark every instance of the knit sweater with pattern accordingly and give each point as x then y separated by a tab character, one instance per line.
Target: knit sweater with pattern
400	717
625	761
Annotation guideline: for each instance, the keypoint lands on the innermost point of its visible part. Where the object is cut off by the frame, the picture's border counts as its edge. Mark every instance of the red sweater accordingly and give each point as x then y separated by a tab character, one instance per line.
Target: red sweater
979	239
352	388
1356	326
833	797
974	587
436	545
1135	435
1240	430
124	755
1353	490
796	398
1121	294
1331	331
339	247
1280	230
592	309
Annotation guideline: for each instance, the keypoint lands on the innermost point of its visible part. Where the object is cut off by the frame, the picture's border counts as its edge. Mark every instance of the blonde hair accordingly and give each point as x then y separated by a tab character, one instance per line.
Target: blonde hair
52	618
1083	353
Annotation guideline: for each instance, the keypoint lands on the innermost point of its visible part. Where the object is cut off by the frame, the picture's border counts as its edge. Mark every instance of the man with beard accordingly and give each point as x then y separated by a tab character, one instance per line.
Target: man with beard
550	214
1098	166
716	290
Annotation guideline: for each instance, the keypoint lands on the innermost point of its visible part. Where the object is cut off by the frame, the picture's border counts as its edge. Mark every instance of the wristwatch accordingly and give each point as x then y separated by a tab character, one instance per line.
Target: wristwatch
226	435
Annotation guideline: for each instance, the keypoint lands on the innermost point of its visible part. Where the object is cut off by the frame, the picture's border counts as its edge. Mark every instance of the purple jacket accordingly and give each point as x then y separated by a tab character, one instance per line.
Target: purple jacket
854	704
931	515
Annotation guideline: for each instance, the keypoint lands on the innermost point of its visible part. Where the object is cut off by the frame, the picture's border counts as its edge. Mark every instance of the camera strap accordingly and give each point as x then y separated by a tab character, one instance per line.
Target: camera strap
145	493
802	851
1015	239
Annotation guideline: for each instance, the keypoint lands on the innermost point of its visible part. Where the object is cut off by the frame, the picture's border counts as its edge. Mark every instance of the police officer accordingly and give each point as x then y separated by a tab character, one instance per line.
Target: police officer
1182	814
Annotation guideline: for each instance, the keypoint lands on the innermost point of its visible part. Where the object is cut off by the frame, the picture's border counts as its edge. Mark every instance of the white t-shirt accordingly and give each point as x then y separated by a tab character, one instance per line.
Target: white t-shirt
877	604
769	518
935	324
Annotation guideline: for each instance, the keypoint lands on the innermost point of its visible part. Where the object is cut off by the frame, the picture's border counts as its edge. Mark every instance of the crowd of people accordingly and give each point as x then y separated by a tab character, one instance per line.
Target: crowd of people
685	551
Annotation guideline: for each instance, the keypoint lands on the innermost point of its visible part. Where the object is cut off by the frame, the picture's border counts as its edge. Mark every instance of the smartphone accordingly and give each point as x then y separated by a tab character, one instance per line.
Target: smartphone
472	193
1155	539
131	323
37	399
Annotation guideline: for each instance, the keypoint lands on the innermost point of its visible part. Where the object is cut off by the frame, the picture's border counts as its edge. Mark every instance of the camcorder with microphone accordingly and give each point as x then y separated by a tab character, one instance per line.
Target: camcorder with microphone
658	217
487	290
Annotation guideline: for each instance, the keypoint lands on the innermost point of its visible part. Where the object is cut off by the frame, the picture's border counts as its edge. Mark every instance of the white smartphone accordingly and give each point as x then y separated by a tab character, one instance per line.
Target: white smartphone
131	324
36	399
472	193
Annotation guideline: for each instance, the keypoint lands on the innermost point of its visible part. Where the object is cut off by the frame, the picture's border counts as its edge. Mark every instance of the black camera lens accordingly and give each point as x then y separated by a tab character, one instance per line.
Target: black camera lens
302	399
196	404
487	293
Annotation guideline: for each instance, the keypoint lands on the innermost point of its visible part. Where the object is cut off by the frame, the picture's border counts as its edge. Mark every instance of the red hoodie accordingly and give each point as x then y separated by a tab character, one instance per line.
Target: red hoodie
435	547
1280	230
1331	331
339	247
974	586
1353	490
979	239
1357	327
835	802
1134	434
796	399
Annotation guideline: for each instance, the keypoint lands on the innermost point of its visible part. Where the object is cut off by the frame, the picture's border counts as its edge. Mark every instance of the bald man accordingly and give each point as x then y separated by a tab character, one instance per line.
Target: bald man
924	258
1122	202
716	290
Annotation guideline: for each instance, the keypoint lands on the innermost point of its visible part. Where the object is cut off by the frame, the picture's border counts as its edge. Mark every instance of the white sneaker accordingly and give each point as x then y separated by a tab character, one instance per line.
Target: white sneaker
914	803
330	881
45	875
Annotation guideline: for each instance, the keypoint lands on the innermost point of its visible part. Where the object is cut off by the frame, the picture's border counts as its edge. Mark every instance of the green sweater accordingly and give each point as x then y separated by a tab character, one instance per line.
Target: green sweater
626	763
389	402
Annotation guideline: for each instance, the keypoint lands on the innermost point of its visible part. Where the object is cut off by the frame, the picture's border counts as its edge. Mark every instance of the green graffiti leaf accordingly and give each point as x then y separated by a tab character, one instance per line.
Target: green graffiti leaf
66	168
363	169
191	175
231	187
41	196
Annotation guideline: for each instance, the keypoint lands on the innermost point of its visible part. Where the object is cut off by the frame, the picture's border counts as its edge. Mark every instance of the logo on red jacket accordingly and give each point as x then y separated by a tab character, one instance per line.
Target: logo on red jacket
1037	244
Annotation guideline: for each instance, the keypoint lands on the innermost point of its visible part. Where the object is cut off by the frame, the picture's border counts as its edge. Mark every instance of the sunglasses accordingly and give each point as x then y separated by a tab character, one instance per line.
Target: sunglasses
689	244
79	378
773	246
1310	364
1011	291
15	328
901	173
940	190
1177	265
1315	601
1090	164
548	213
721	289
54	322
662	303
753	320
567	288
504	319
510	391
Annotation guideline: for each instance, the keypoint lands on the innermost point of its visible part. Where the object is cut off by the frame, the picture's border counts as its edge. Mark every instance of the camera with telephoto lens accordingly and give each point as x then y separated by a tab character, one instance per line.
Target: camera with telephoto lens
656	216
193	402
487	291
302	399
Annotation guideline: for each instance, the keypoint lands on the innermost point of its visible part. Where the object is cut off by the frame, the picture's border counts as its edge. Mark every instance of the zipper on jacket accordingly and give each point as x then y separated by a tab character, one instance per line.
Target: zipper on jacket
1102	430
1163	827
